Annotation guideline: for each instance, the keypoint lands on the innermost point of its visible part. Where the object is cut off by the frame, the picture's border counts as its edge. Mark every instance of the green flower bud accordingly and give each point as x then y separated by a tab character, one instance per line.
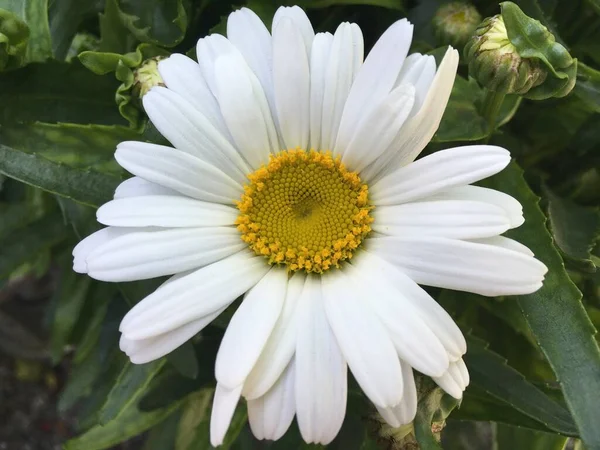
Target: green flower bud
14	36
496	64
454	23
512	53
146	76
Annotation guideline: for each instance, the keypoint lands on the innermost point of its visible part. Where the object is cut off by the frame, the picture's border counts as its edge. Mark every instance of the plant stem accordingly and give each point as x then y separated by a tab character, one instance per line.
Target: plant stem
490	109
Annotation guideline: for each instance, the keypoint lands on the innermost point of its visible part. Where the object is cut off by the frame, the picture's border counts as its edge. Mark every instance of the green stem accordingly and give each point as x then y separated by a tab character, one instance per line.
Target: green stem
491	107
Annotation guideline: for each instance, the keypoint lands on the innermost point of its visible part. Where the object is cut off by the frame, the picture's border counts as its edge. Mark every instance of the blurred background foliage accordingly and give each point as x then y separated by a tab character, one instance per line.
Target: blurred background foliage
69	92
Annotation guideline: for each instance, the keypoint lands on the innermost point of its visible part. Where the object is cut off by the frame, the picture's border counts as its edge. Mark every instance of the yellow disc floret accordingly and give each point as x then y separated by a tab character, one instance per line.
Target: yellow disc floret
305	210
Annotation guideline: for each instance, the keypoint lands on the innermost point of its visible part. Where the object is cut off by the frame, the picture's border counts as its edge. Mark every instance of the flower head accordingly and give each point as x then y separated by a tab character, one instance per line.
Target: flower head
455	22
292	181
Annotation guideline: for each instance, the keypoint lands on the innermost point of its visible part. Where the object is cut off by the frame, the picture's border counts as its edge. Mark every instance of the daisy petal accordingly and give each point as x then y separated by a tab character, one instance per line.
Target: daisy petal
319	58
249	328
291	79
405	411
144	254
344	62
145	350
93	241
455	380
246	110
414	340
280	346
165	211
190	131
431	312
321	385
252	38
178	171
208	50
300	19
271	415
364	341
458	219
224	404
377	130
183	76
513	208
417	131
418	71
441	170
461	265
138	187
193	296
504	242
377	76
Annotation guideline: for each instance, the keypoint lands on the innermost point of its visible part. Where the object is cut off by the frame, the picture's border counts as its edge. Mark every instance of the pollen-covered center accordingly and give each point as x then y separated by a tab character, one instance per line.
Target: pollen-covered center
305	210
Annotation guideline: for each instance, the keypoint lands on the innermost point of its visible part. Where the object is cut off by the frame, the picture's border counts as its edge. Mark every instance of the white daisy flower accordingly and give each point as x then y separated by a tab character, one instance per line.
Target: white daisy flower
292	182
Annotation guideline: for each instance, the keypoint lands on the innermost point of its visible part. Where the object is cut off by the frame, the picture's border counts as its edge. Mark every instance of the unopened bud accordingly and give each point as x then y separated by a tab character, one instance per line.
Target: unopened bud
14	36
146	76
454	23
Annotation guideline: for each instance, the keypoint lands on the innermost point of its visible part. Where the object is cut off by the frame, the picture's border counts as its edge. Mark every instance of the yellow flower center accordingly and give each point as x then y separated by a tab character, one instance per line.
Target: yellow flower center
304	210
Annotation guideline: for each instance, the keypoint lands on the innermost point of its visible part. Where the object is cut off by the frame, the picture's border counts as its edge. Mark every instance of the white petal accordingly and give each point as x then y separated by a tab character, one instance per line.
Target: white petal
249	34
461	265
455	380
245	110
280	346
441	170
377	76
405	411
138	187
459	219
300	20
178	171
363	339
417	131
146	350
144	254
345	58
418	70
321	385
93	241
271	415
191	131
504	242
193	296
513	208
183	76
250	327
319	58
165	211
411	334
208	50
223	408
291	80
377	130
431	312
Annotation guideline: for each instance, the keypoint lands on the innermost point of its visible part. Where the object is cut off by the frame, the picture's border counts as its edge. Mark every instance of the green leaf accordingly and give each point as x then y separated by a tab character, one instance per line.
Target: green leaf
84	186
159	22
69	299
433	408
183	358
512	438
57	92
114	36
490	373
163	435
35	14
78	146
21	246
66	17
575	228
555	314
131	384
390	4
14	36
587	87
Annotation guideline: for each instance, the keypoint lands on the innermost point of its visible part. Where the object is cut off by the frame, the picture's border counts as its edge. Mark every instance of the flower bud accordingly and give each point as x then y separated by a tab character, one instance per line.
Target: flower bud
146	76
454	23
14	36
496	64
